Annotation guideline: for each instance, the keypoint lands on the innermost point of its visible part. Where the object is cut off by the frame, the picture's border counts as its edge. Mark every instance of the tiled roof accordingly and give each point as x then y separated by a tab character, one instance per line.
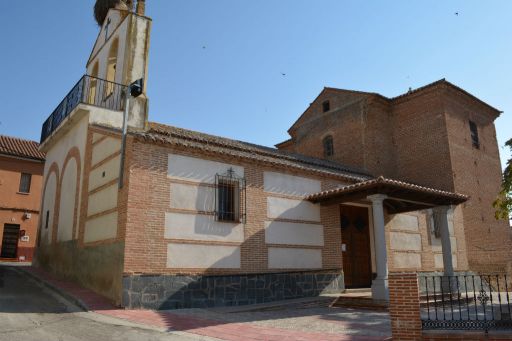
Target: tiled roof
389	182
160	133
22	148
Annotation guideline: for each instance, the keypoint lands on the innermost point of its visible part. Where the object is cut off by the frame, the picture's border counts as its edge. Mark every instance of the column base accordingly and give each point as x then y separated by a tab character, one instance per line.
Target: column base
380	290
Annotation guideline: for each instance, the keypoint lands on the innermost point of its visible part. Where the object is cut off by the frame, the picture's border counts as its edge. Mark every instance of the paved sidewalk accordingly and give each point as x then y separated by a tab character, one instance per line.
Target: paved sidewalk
310	323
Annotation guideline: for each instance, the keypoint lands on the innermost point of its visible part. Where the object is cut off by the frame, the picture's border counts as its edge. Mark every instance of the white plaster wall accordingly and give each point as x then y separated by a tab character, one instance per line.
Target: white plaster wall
103	200
277	232
289	184
138	50
194	256
101	50
190	197
292	209
439	263
201	227
405	241
404	222
96	137
291	258
406	260
67	202
101	228
198	170
48	205
104	149
111	170
75	137
105	117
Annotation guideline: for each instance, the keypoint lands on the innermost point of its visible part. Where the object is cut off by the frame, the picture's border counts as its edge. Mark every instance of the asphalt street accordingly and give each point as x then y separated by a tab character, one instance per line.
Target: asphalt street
29	311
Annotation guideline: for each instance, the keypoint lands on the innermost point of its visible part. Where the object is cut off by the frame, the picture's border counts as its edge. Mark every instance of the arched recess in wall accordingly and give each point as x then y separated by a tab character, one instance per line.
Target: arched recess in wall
69	189
112	66
47	215
93	84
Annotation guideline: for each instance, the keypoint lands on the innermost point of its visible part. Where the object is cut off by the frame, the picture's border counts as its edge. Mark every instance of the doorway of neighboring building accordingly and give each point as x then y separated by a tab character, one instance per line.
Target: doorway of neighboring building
10	241
355	238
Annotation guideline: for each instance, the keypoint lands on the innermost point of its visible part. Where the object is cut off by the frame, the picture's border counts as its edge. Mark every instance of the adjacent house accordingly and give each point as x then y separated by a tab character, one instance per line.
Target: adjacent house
21	176
164	217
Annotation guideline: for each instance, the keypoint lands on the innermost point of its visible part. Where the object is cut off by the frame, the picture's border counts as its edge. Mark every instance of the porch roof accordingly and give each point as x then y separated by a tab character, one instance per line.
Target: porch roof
401	196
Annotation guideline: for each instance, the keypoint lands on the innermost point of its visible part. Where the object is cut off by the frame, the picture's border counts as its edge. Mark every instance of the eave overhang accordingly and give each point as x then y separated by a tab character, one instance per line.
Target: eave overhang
400	196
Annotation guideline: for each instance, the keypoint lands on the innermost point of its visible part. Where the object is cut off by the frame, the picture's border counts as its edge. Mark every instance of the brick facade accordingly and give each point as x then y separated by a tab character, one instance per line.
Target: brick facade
145	223
421	137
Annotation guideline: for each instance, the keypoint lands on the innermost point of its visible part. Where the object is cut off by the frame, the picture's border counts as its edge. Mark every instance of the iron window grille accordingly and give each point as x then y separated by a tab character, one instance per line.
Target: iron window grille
25	181
230	197
474	134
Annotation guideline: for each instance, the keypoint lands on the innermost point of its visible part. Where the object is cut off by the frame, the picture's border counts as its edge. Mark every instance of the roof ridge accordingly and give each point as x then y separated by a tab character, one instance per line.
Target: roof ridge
241	146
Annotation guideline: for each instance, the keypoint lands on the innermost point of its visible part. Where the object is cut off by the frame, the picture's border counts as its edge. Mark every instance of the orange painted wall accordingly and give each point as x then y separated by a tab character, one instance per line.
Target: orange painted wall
13	204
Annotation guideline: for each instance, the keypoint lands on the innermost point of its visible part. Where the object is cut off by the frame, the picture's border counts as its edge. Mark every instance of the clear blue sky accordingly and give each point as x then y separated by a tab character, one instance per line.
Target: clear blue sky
234	86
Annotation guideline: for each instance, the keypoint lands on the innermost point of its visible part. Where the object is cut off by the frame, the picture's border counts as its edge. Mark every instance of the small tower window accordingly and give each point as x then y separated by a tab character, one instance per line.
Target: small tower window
328	146
111	67
326	106
474	134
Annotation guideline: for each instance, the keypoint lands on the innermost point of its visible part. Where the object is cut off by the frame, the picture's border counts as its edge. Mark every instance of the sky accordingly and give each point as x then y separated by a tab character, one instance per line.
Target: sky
217	66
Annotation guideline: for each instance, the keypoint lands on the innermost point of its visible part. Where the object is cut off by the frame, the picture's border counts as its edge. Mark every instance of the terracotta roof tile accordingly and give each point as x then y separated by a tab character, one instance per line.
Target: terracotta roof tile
22	148
160	133
382	180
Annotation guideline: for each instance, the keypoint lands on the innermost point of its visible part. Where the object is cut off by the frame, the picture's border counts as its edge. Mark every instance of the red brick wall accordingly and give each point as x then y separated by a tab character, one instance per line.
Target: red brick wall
149	199
477	173
423	138
404	306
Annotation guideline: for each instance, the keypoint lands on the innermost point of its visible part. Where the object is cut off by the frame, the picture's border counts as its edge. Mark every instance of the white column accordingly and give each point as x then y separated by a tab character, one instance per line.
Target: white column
441	213
380	284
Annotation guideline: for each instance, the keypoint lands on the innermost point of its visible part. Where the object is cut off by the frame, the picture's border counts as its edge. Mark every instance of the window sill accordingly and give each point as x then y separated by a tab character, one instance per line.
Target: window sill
23	193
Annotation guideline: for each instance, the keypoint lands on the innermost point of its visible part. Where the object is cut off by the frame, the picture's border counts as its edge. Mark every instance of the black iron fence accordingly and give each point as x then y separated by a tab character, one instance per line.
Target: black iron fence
88	90
466	302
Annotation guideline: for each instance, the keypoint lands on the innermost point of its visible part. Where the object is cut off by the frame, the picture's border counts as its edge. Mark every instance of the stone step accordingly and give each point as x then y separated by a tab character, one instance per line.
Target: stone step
359	302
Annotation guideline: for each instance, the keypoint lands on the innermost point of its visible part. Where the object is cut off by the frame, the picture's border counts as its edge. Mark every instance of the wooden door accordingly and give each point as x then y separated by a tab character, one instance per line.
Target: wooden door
10	241
355	234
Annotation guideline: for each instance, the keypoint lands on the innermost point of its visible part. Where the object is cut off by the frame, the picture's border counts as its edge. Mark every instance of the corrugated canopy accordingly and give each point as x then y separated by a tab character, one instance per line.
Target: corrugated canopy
401	196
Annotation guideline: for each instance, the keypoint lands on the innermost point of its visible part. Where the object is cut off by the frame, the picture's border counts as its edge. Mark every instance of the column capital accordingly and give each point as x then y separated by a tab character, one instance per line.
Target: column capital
377	197
442	209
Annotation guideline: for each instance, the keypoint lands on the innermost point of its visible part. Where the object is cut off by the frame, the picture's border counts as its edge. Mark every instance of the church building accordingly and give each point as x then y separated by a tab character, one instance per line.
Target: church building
155	216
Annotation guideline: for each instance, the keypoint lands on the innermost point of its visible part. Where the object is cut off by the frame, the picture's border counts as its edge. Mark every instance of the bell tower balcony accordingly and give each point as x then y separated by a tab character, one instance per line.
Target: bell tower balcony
89	94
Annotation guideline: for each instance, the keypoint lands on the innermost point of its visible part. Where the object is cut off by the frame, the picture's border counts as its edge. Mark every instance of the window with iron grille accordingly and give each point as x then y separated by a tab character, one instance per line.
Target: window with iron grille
328	146
474	134
25	182
230	197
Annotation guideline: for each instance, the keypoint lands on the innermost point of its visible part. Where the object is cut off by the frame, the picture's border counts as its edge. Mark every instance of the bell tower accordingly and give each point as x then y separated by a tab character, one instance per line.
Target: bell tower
120	53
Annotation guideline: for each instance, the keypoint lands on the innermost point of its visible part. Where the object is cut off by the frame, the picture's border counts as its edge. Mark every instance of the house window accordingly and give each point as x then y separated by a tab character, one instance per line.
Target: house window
328	146
25	182
230	197
326	106
474	134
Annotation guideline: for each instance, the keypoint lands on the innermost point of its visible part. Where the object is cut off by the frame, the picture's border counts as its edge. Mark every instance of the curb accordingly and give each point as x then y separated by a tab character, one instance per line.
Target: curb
78	302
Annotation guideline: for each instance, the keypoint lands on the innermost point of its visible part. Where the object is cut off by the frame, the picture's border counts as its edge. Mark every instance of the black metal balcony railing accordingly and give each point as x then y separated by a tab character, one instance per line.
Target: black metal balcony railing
466	302
88	90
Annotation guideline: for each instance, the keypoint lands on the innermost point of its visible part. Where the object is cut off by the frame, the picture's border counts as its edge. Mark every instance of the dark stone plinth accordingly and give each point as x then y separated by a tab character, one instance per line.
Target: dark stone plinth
180	291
